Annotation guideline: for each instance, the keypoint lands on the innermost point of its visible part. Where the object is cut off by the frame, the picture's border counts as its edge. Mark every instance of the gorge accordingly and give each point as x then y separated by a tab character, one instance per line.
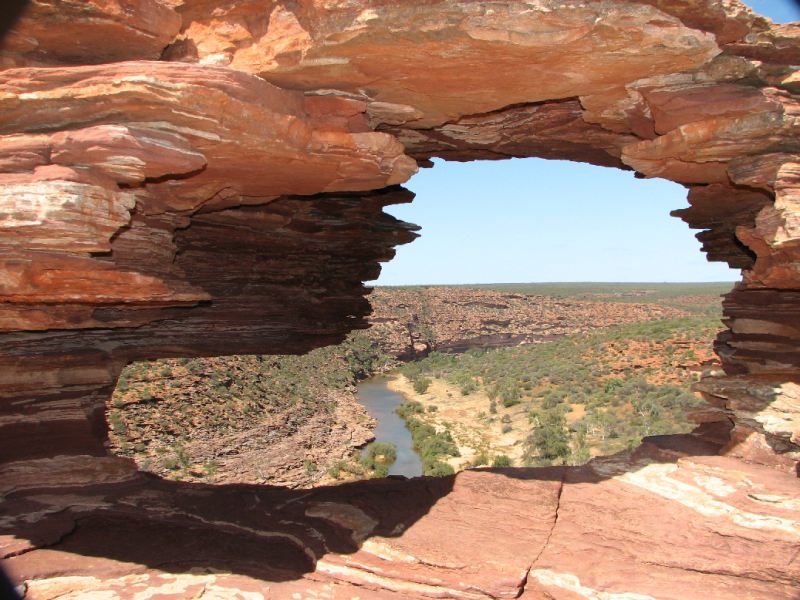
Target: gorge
185	178
381	402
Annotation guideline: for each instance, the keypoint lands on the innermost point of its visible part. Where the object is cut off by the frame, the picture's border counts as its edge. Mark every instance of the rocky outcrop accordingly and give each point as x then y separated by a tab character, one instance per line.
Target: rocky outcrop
295	421
266	419
410	322
660	523
187	177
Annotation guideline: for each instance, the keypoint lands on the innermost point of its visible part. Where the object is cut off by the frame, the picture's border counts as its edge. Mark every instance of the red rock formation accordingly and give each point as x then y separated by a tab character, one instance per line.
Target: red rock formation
187	177
412	322
658	524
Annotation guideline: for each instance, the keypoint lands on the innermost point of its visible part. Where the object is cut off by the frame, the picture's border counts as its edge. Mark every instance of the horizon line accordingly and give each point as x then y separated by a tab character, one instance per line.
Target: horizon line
660	282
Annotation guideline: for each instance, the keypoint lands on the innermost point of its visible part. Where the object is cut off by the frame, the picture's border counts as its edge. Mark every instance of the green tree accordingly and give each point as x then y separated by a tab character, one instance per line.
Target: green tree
421	385
549	441
437	469
378	456
501	460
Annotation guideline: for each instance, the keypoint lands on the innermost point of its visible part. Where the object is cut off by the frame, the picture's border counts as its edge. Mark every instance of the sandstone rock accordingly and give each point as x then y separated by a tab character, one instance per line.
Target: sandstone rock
729	21
221	121
187	177
644	497
761	338
413	322
103	174
546	130
508	531
673	107
505	54
719	235
767	408
90	31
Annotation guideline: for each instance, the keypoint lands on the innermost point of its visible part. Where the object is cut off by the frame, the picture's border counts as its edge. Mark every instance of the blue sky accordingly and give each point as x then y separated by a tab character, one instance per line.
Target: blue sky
531	220
780	11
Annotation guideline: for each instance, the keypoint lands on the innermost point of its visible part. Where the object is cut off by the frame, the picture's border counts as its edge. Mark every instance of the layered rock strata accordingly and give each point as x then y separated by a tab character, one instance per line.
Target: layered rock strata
186	177
411	322
659	523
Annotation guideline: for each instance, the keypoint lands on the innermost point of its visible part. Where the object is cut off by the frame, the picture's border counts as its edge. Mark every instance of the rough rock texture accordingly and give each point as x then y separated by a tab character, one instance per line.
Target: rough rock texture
411	322
189	177
659	523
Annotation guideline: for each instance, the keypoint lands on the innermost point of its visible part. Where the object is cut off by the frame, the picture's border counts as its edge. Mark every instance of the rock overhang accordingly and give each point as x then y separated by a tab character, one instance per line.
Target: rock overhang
114	163
188	177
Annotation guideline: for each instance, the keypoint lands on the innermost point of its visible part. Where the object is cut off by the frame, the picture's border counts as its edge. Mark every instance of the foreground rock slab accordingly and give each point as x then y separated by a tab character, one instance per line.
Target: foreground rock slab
670	520
210	178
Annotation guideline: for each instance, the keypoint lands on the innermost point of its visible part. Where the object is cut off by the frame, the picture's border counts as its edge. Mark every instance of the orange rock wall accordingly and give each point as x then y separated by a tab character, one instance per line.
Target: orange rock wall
146	147
189	177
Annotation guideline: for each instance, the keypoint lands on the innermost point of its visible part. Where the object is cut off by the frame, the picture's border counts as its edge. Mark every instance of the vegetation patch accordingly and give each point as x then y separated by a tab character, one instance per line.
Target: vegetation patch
565	395
584	395
378	457
431	445
170	414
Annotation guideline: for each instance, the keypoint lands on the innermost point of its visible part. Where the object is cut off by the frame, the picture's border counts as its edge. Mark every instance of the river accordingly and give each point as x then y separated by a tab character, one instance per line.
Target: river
380	403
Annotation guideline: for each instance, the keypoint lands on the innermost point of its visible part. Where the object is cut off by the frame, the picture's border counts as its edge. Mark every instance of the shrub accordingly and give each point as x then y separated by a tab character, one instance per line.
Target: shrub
407	409
421	385
551	399
549	441
438	469
428	443
481	459
381	452
510	395
182	456
377	458
117	424
335	470
342	466
501	460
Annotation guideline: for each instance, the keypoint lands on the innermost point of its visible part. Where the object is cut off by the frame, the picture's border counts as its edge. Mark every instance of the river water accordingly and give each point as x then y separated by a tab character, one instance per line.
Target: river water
380	403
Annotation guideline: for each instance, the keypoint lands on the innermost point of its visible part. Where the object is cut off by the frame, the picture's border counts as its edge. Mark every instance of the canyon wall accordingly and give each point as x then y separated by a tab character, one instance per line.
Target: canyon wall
197	177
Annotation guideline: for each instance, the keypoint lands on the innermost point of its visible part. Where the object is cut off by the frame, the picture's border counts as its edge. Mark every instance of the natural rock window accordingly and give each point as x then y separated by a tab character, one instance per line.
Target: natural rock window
181	180
295	421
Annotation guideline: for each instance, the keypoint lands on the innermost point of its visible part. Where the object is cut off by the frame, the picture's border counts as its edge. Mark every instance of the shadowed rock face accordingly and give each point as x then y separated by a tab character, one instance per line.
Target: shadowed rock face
188	177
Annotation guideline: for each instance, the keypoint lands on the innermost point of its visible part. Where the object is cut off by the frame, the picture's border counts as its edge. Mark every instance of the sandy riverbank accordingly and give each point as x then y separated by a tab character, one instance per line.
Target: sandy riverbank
475	430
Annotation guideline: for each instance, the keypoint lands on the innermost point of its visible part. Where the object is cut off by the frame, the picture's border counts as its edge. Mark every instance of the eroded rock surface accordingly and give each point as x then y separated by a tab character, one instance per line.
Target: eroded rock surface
186	177
411	322
651	524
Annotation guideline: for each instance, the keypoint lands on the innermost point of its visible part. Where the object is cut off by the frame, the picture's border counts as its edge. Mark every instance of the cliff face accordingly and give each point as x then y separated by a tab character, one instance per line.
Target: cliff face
409	323
187	177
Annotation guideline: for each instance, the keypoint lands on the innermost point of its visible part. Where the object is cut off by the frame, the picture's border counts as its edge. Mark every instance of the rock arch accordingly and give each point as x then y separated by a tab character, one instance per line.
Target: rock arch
188	177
